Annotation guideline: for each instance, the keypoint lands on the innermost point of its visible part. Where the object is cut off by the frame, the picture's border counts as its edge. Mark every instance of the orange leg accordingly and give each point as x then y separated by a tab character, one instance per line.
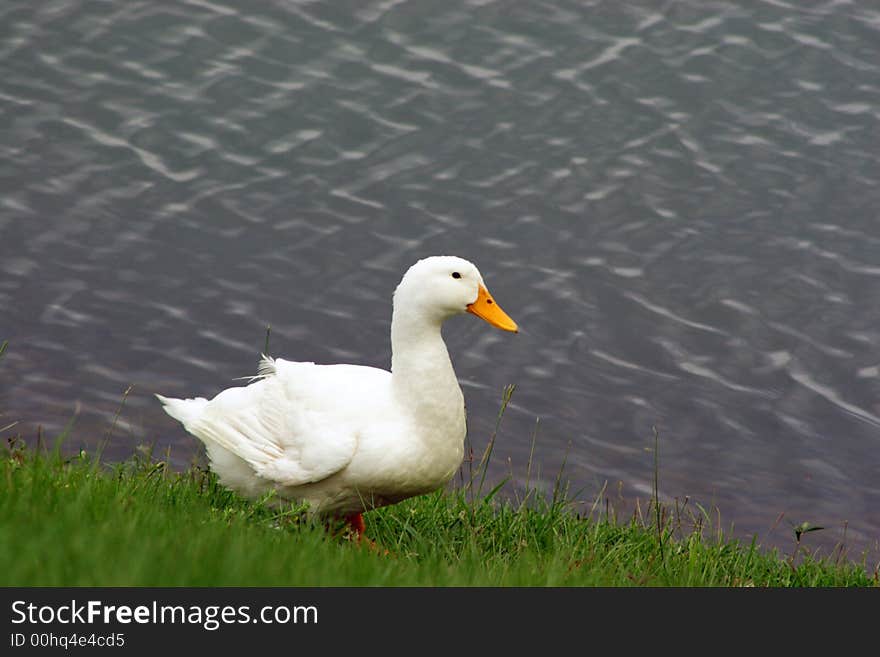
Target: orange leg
358	531
356	522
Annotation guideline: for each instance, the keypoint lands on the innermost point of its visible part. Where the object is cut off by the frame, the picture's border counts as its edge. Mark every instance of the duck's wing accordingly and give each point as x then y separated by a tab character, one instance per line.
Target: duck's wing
298	423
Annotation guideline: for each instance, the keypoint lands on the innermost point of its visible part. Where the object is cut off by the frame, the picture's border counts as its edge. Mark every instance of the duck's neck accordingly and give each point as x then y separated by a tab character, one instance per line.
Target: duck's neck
421	371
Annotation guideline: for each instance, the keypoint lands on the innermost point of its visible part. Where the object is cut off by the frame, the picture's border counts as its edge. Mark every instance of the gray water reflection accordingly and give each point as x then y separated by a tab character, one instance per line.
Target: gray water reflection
678	206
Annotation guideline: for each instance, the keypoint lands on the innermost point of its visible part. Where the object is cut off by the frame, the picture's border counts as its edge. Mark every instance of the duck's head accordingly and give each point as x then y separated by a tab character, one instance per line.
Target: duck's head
442	286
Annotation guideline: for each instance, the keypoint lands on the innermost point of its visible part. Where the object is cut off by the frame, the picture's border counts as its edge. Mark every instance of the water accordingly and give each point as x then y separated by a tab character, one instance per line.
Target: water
678	205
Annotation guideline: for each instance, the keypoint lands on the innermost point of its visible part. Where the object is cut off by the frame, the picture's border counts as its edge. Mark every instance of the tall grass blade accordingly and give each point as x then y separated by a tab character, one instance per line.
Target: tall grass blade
487	454
109	434
531	456
657	492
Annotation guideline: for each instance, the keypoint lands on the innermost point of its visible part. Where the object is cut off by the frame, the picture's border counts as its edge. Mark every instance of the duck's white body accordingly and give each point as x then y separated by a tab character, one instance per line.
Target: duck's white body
348	438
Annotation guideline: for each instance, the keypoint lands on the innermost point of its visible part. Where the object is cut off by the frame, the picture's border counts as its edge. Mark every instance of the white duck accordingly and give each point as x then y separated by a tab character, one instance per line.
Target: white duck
349	438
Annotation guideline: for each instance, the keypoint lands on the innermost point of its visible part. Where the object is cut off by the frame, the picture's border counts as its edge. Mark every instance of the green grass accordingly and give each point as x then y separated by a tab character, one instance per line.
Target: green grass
76	522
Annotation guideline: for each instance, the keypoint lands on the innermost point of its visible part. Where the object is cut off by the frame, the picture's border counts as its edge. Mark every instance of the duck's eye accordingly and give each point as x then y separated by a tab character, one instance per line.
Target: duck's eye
455	274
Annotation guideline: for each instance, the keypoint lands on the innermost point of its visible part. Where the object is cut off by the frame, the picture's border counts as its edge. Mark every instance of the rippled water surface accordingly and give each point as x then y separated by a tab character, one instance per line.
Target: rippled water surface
679	206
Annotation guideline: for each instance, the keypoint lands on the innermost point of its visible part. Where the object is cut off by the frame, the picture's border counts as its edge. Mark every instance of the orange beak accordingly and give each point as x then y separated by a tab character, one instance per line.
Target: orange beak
486	309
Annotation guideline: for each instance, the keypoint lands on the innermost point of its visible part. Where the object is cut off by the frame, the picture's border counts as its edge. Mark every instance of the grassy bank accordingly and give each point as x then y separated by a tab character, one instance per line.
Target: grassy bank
75	521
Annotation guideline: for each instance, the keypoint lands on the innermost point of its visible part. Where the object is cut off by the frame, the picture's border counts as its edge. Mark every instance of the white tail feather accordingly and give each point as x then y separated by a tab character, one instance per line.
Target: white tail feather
265	369
186	411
